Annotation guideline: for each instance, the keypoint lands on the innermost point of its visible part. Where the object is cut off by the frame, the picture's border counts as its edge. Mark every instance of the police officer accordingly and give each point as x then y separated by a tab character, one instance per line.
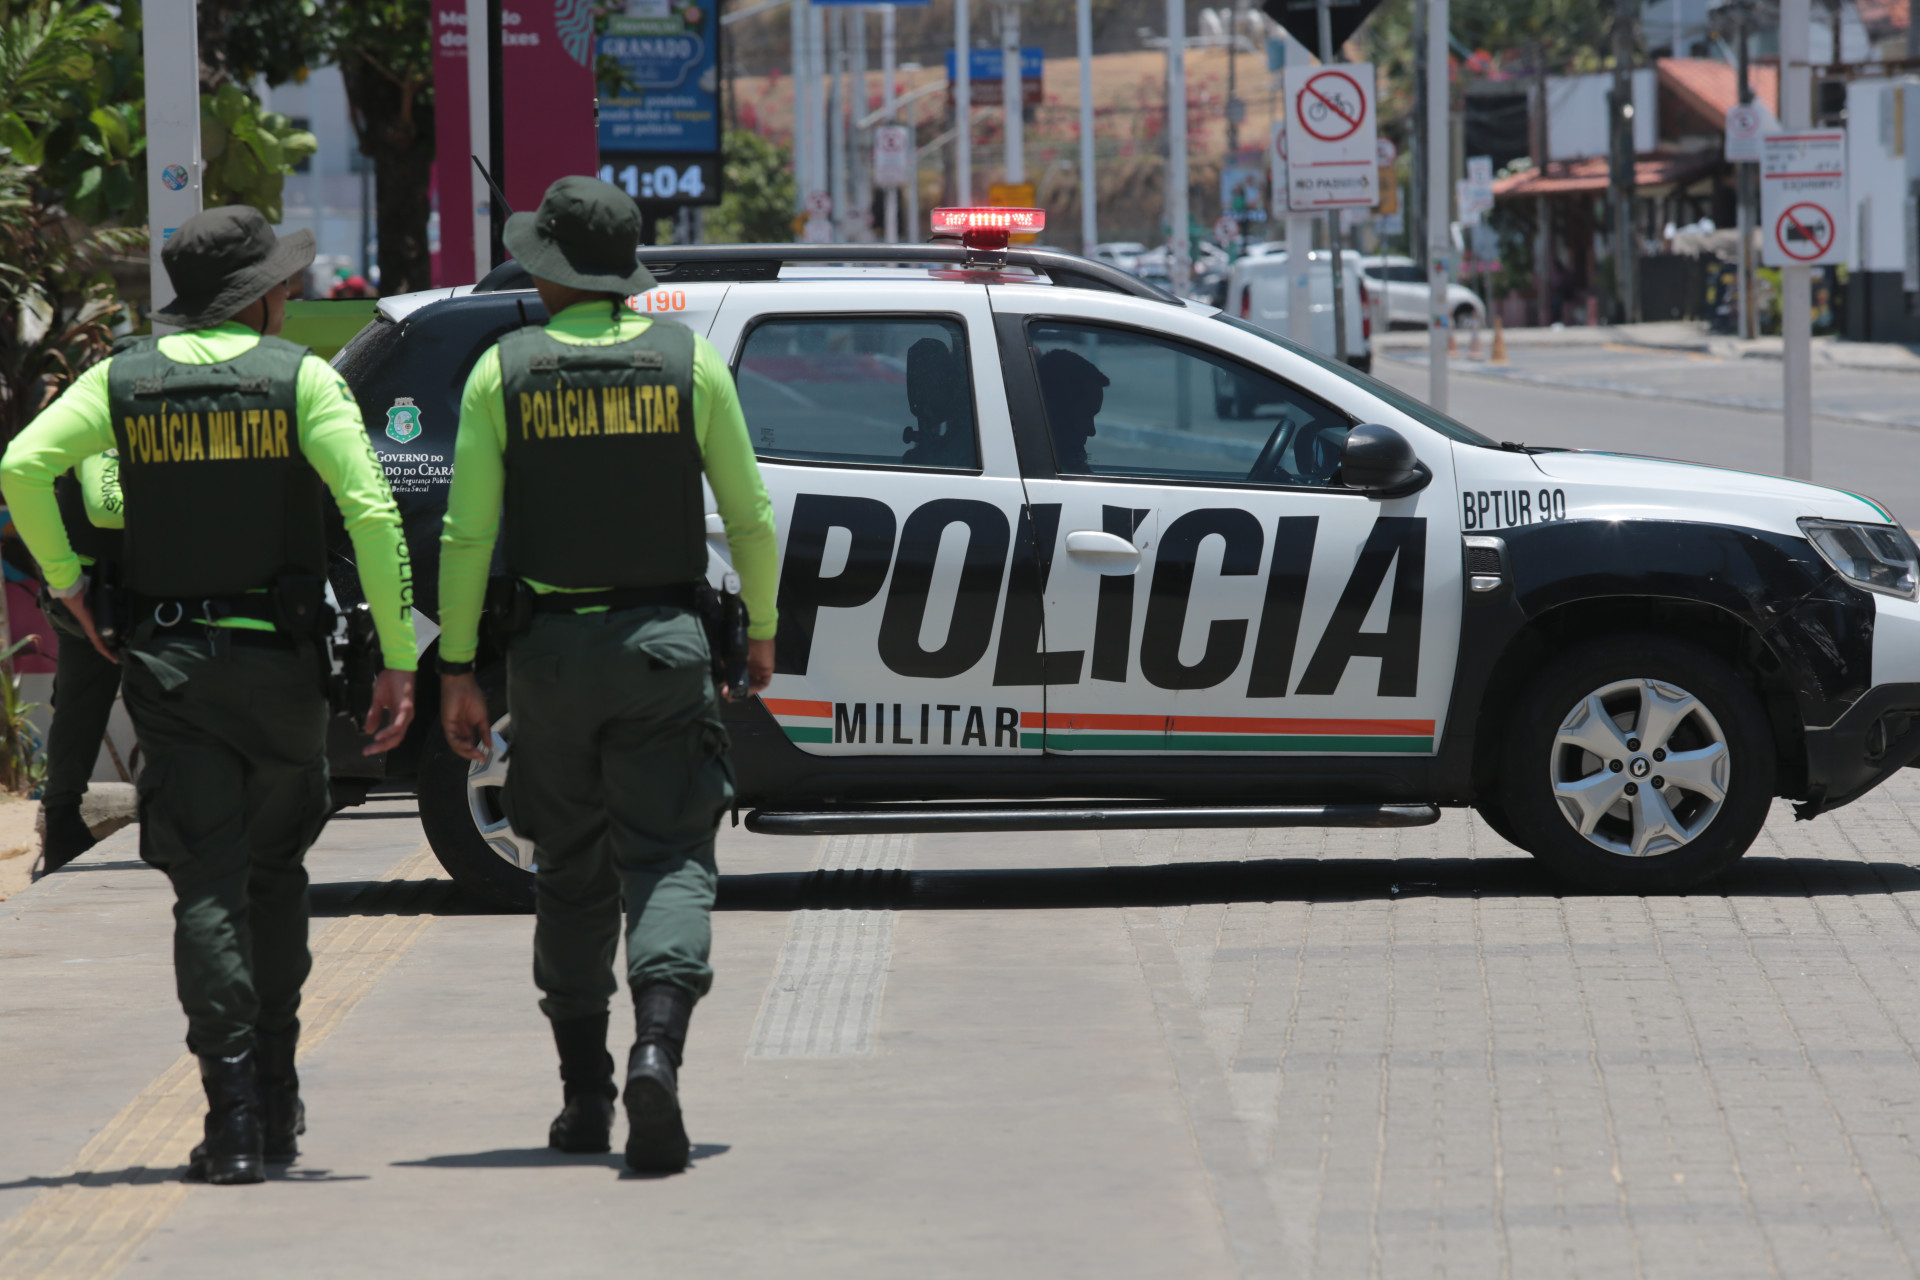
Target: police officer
595	431
226	437
84	682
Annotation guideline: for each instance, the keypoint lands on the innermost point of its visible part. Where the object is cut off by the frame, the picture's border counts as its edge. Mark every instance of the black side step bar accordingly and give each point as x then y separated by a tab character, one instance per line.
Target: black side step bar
1054	815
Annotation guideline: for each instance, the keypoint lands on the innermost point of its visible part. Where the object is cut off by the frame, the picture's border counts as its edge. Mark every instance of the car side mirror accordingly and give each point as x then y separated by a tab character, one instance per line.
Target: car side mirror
1379	462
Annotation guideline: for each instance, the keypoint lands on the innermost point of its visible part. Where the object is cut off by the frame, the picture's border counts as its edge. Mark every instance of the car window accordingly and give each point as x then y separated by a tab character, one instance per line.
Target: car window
1123	403
860	390
1418	410
1406	274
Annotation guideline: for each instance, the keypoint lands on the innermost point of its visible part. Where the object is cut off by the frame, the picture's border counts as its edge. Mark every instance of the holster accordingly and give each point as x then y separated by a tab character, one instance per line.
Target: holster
724	615
508	611
353	662
110	601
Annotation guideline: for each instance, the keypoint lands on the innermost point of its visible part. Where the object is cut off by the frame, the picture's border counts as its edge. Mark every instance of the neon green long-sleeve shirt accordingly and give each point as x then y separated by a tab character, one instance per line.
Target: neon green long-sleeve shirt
79	425
480	479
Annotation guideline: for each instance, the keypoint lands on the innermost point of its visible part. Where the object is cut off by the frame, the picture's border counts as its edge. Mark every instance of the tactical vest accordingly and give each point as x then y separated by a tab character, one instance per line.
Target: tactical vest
219	498
603	467
88	539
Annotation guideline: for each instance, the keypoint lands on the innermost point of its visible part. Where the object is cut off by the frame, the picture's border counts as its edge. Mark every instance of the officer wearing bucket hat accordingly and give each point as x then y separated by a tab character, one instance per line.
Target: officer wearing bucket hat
226	436
588	439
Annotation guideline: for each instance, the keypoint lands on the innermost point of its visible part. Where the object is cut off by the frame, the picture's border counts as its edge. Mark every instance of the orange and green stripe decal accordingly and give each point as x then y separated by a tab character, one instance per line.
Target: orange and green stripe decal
1089	731
802	719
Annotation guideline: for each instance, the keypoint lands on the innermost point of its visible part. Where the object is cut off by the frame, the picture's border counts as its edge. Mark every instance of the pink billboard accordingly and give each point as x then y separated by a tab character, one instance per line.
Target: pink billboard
546	63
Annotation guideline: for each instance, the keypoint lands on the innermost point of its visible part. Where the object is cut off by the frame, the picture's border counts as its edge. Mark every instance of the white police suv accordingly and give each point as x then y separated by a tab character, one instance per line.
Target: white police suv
1059	550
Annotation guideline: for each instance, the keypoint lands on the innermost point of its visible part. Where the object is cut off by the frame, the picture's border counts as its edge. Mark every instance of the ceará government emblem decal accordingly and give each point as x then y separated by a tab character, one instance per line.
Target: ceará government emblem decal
403	420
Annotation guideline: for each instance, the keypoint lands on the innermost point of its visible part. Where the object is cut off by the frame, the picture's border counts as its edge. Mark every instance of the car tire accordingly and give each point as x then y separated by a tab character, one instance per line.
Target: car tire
1464	315
451	807
1670	832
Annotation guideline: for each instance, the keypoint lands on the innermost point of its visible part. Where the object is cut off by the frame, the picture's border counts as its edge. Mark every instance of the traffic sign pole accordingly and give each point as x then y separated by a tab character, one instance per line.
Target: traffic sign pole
887	94
1796	282
1334	239
962	105
1013	92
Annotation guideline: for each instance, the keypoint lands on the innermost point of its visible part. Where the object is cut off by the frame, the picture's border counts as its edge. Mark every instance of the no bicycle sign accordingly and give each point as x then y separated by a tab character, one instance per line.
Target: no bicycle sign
1332	143
1803	198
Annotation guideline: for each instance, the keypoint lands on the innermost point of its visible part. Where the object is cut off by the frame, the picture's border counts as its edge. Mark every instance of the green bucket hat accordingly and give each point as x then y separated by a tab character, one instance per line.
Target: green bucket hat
584	235
220	260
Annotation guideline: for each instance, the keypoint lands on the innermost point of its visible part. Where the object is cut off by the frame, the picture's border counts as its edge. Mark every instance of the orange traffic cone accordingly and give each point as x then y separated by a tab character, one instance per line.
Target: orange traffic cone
1499	341
1453	341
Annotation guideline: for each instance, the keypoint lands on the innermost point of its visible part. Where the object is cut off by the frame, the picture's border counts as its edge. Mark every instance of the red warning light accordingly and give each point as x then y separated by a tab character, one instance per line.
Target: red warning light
988	228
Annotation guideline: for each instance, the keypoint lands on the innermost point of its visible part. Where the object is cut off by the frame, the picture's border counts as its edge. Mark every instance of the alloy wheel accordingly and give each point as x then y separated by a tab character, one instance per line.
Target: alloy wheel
485	780
1640	767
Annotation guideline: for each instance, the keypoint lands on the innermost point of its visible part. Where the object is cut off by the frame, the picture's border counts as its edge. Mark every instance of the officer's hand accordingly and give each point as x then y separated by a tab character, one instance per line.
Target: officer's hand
84	616
759	664
463	714
393	694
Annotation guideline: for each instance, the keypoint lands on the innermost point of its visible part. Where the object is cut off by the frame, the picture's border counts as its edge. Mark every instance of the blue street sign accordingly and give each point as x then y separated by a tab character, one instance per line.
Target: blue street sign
673	101
984	64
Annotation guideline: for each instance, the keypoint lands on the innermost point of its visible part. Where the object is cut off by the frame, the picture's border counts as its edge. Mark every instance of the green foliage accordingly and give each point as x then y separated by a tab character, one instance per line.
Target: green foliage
246	154
22	765
757	207
70	105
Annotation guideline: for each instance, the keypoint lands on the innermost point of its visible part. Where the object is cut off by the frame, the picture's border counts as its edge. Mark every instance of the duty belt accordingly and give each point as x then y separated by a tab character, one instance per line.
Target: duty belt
682	595
171	614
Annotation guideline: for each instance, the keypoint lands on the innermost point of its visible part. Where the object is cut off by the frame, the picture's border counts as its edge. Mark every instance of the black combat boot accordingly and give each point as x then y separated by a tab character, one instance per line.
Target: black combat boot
233	1150
283	1117
656	1138
66	838
585	1124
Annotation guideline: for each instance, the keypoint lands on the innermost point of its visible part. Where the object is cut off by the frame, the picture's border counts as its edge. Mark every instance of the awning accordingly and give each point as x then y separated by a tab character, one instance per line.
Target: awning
1577	177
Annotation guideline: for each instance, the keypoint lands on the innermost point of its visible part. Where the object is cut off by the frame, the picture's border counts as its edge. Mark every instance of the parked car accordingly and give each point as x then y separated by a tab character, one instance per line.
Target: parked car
1259	293
1035	577
1409	296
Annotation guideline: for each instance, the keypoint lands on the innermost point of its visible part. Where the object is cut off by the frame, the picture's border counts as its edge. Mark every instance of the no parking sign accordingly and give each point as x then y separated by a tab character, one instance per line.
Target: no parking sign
1803	198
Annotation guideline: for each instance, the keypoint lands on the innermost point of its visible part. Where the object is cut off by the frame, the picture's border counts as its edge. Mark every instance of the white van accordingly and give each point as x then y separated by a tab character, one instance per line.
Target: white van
1257	293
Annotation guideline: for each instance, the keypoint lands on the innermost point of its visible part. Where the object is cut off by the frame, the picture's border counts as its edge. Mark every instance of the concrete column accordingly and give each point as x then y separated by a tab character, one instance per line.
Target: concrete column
173	130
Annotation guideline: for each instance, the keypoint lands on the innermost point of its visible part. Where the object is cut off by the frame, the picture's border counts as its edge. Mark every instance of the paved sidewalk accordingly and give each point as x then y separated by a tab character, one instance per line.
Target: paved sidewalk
1195	1054
1684	335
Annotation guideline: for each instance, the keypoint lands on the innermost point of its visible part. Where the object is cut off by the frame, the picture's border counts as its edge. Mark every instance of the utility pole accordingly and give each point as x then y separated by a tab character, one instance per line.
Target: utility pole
1438	244
837	140
802	163
1542	206
1620	103
1796	283
962	104
1417	144
860	150
1335	241
1089	191
889	94
1179	251
1012	85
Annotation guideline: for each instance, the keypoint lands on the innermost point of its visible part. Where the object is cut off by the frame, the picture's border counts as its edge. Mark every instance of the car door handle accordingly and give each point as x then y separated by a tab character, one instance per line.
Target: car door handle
1108	552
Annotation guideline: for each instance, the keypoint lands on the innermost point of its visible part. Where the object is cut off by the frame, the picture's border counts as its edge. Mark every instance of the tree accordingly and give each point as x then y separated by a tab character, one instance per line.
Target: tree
757	207
70	156
246	153
385	52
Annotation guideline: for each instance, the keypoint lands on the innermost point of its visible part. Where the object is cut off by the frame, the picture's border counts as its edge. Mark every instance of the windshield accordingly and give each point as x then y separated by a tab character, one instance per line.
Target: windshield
1425	415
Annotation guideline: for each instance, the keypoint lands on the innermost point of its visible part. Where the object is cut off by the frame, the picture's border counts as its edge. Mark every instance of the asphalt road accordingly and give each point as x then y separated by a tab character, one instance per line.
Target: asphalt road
1688	407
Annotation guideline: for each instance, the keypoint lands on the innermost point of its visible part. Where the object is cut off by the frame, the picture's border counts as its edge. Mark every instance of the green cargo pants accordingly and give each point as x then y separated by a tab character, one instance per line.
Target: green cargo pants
619	775
233	791
84	687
